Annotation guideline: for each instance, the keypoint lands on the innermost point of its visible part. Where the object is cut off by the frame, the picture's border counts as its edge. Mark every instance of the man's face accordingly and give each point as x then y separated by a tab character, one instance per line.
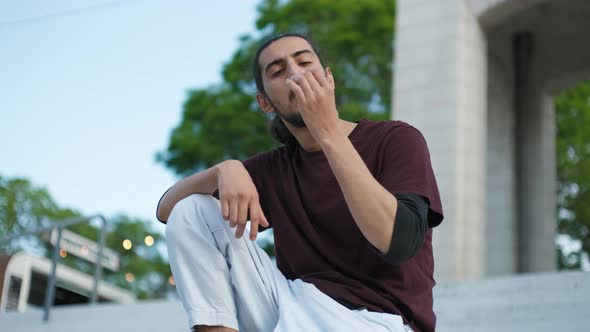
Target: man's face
277	62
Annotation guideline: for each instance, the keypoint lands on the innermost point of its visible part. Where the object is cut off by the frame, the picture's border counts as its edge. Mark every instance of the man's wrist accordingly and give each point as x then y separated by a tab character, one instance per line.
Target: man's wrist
332	140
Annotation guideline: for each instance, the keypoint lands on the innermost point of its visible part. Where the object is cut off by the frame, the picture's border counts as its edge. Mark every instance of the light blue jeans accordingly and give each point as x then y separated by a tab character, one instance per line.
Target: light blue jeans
232	282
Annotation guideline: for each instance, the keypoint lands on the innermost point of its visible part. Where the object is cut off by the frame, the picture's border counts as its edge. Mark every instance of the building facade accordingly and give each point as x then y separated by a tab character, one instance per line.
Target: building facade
478	78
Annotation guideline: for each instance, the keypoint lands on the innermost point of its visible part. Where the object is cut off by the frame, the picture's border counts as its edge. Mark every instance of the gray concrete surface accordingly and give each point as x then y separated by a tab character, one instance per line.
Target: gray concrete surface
147	316
531	302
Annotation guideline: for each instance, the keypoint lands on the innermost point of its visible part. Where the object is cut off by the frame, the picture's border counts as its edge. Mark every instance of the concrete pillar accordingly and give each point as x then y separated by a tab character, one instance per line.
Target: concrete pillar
501	254
440	87
535	160
521	200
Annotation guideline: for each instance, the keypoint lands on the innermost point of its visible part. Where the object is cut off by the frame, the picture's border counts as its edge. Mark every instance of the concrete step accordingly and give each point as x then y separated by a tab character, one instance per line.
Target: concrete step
533	302
529	302
146	316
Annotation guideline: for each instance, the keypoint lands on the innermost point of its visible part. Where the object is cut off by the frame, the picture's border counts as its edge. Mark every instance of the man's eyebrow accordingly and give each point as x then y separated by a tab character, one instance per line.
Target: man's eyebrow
298	53
281	60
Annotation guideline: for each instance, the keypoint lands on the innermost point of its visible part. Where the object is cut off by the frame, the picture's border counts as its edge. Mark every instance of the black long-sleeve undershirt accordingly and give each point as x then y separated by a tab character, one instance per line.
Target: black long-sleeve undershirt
411	224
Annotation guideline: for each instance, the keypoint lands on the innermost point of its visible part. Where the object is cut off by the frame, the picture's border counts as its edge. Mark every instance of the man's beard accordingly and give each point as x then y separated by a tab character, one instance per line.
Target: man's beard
294	119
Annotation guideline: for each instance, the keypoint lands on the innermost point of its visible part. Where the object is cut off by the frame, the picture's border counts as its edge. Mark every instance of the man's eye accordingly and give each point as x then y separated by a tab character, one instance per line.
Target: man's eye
304	63
277	73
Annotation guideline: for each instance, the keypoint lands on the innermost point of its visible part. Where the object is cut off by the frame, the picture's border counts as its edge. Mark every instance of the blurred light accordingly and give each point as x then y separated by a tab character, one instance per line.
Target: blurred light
84	251
63	253
149	241
129	277
171	281
127	244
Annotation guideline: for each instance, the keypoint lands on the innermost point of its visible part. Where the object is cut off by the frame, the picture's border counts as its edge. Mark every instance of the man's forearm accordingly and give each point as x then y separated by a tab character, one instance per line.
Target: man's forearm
204	182
372	206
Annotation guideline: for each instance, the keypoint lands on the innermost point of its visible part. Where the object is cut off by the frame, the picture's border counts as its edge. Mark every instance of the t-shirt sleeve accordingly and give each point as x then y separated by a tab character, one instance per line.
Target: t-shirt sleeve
255	167
406	168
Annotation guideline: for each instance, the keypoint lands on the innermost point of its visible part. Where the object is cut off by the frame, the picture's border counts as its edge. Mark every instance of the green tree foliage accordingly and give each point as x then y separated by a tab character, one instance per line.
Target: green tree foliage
145	266
24	207
223	121
149	268
573	170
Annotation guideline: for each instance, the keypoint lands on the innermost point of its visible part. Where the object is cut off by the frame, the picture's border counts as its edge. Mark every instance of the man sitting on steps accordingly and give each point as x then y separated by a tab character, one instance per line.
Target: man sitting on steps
352	206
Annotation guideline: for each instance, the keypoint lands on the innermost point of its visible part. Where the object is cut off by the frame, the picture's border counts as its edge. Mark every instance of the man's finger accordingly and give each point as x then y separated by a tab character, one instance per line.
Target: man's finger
253	228
257	213
240	230
242	213
233	212
301	80
296	89
312	80
255	218
225	208
320	77
264	222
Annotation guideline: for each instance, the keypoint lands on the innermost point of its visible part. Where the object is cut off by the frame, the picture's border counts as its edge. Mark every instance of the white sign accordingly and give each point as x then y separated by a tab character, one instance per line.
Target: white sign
85	248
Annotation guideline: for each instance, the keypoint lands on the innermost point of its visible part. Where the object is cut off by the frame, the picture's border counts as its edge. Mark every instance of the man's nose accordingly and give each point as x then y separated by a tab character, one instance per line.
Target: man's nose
294	69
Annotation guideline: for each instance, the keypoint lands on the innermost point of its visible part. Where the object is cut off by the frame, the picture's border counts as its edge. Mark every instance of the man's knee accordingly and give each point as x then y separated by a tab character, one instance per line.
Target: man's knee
192	203
188	213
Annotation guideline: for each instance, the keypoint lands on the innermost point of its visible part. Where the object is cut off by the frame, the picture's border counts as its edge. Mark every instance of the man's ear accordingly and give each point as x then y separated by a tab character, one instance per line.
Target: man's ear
330	77
263	102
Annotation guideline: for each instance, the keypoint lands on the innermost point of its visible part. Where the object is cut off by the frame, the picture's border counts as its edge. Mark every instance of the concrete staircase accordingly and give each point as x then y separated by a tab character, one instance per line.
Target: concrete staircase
533	302
147	316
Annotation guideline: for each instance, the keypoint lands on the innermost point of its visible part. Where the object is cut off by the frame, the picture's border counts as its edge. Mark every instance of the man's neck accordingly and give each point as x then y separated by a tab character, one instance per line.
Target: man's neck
308	143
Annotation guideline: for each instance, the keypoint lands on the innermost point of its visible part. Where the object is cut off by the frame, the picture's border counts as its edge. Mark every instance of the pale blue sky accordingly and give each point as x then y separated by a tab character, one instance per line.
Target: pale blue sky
87	99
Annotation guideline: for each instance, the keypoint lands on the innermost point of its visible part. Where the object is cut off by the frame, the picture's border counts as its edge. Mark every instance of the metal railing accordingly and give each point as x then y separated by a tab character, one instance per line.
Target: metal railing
59	227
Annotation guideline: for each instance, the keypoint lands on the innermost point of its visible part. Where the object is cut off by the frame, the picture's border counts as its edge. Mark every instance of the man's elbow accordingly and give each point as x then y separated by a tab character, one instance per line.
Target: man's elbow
162	216
162	211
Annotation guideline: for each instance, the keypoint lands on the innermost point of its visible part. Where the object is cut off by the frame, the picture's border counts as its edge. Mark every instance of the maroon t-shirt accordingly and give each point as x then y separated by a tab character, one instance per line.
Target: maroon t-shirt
316	237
